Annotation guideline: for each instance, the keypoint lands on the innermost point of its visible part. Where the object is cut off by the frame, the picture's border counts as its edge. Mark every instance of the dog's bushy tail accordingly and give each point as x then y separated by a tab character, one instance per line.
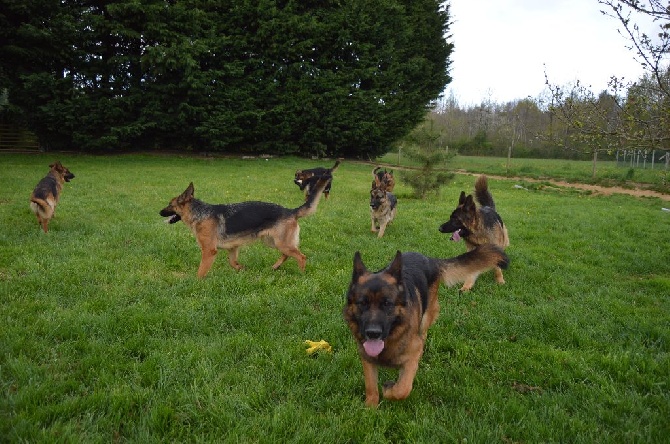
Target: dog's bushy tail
41	208
375	178
471	264
337	164
482	192
309	207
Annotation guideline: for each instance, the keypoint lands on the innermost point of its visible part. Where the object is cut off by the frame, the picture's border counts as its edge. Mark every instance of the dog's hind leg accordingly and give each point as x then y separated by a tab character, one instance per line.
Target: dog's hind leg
280	261
286	239
233	253
469	282
291	252
499	275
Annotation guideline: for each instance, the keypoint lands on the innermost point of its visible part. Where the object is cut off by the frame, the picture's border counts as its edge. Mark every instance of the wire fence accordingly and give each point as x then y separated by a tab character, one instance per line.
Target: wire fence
643	158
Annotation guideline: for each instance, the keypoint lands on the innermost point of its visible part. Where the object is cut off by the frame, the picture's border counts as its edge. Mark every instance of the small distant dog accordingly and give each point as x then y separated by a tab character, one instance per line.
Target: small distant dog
389	312
46	194
477	226
307	179
383	205
383	177
383	208
230	226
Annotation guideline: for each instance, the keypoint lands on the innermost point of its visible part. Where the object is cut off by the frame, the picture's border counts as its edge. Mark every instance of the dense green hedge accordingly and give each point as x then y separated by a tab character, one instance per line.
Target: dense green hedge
343	78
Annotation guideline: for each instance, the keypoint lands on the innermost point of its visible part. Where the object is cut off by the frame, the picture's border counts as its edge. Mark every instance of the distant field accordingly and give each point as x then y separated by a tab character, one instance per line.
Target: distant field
607	172
108	336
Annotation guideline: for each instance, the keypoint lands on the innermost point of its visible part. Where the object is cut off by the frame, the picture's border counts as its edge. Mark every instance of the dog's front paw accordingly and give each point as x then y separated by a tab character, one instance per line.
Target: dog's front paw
396	392
372	401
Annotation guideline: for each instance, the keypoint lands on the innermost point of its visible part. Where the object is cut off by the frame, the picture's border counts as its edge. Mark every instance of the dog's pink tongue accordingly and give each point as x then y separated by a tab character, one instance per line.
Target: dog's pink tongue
456	236
373	347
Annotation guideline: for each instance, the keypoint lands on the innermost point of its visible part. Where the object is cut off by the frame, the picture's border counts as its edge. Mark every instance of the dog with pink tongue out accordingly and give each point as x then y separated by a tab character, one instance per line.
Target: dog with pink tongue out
389	311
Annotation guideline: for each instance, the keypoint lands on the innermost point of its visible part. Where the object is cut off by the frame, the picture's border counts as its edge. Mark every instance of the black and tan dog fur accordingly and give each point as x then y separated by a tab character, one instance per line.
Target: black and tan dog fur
384	177
477	225
389	312
307	179
383	206
46	194
230	226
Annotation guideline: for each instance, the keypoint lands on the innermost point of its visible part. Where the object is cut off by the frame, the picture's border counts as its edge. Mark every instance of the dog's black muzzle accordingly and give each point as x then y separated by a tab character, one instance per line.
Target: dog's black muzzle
167	212
449	227
374	332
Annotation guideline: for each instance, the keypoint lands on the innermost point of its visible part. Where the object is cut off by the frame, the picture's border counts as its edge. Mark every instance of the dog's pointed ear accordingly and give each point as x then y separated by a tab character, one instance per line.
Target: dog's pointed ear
469	203
395	269
187	194
359	266
57	166
461	198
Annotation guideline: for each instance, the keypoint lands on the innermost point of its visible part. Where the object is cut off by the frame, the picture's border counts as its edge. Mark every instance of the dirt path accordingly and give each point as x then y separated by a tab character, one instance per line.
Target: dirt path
595	189
615	190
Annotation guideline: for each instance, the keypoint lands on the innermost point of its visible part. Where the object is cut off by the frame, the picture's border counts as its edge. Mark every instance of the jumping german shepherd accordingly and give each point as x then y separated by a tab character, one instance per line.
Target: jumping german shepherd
477	226
307	179
384	177
230	226
46	194
389	312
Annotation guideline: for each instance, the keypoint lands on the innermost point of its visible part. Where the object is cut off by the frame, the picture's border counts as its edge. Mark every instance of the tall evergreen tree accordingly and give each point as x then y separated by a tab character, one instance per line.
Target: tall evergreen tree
331	77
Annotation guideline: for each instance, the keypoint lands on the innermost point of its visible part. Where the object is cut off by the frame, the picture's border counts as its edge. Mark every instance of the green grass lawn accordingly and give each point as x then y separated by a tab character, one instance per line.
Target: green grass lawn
108	336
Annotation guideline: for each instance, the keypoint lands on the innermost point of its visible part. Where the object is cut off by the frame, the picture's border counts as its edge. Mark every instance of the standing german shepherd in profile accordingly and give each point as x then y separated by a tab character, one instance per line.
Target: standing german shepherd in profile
230	226
307	179
477	226
46	194
389	312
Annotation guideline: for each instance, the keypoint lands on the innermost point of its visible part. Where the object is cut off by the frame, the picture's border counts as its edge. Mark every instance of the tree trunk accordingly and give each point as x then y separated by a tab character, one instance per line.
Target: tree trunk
509	157
595	160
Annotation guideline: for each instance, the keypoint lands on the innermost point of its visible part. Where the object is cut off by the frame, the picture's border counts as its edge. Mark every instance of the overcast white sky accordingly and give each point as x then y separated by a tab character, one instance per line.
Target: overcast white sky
503	46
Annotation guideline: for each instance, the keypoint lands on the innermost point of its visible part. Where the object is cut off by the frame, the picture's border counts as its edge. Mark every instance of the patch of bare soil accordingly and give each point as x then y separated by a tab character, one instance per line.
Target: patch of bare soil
595	189
638	192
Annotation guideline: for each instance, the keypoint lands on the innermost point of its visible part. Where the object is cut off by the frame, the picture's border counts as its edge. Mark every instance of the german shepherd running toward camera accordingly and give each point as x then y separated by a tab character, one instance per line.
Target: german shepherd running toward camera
383	205
230	226
307	179
389	312
46	194
477	225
